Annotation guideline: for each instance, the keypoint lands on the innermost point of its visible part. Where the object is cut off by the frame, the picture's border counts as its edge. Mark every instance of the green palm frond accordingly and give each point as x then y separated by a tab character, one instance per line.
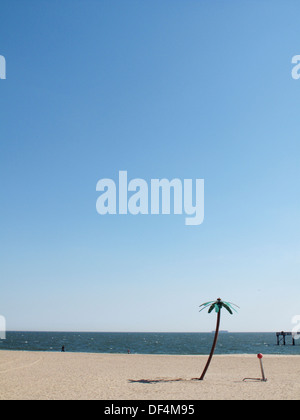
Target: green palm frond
211	308
228	308
231	305
205	305
218	305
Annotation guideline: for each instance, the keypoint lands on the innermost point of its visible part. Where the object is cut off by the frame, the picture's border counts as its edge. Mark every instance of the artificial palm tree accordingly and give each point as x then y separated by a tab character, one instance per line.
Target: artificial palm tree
217	306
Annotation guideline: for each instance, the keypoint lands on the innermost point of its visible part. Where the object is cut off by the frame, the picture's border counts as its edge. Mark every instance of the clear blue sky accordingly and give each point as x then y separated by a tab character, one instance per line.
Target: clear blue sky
162	89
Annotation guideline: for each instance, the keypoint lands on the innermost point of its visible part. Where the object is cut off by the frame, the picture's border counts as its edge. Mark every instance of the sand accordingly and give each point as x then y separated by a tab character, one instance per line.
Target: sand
85	376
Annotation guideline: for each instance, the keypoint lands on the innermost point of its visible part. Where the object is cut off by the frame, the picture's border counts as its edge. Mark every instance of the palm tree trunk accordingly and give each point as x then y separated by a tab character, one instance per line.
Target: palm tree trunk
213	346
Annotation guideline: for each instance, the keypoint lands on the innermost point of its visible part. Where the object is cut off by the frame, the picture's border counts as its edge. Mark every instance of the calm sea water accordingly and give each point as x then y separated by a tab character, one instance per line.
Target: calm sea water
148	343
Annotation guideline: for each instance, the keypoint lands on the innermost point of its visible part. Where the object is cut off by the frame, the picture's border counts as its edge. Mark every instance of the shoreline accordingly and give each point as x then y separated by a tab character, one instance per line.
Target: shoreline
150	354
47	375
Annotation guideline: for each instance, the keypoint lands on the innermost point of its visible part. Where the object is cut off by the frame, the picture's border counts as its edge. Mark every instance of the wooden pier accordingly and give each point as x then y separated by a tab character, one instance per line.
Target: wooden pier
282	335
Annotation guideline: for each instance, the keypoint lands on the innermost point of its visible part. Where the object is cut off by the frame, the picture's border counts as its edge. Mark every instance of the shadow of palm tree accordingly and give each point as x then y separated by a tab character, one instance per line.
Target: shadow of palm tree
155	381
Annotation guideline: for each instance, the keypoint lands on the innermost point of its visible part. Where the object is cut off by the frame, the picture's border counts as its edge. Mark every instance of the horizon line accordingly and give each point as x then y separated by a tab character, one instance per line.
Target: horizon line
145	332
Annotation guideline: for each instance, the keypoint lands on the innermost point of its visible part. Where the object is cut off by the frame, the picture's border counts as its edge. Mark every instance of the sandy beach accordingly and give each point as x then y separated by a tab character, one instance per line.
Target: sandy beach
77	376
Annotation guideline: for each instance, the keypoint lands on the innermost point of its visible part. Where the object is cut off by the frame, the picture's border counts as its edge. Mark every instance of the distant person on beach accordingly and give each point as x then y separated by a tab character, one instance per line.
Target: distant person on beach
128	351
63	349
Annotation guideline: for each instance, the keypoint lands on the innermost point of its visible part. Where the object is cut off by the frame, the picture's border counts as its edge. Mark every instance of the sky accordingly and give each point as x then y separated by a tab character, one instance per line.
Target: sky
188	89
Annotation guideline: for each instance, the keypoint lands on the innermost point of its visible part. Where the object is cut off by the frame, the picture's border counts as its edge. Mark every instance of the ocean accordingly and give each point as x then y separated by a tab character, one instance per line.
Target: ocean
148	343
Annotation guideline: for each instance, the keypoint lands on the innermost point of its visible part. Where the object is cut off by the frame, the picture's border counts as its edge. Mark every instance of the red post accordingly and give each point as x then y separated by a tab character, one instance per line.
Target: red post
260	356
